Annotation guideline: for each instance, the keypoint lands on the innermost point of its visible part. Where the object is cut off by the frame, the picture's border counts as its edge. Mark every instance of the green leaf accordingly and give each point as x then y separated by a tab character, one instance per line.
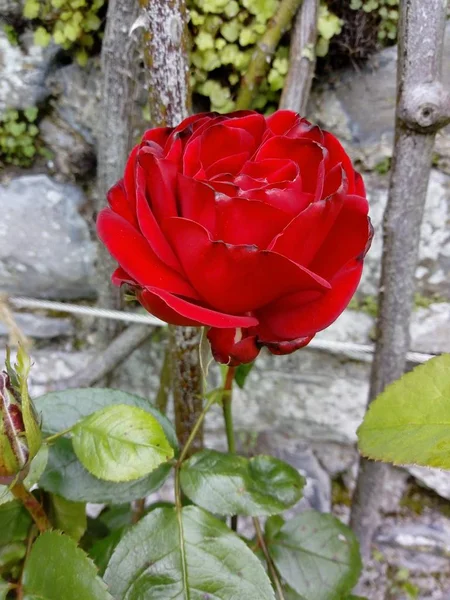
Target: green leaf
56	568
409	423
121	443
4	589
61	410
31	9
37	467
69	517
317	556
102	550
31	113
242	372
11	555
42	37
67	477
15	522
227	484
185	555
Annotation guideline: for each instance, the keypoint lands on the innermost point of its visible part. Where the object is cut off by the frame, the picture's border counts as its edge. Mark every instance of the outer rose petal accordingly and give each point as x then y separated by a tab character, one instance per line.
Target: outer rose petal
157	301
232	347
135	256
307	319
235	279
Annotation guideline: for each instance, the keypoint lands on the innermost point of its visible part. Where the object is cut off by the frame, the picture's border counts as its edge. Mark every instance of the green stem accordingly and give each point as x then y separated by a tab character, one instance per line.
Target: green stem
227	398
187	446
227	403
272	571
55	436
20	492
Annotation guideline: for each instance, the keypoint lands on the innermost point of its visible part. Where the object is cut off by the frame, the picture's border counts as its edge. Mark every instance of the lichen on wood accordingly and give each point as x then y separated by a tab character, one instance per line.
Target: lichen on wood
167	61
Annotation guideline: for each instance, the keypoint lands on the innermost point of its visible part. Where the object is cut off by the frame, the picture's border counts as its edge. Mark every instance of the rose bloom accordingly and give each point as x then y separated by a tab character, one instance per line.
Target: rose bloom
254	227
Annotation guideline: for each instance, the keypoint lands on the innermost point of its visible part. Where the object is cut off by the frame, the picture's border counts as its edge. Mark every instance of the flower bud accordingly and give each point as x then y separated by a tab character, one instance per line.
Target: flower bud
20	435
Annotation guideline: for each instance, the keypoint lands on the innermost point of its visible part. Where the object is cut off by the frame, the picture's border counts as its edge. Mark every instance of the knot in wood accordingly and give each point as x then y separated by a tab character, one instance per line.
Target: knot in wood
425	108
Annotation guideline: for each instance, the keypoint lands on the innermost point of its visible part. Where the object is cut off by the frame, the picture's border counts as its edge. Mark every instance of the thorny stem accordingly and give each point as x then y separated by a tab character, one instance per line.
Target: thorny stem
227	400
272	571
19	491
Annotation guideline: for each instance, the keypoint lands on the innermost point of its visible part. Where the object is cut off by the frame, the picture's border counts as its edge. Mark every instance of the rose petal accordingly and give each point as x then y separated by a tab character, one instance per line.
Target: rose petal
161	178
303	237
311	317
252	122
241	221
346	239
233	140
336	155
197	202
159	135
230	348
282	121
288	198
150	228
288	347
235	279
272	170
118	201
229	164
195	313
307	154
135	256
120	276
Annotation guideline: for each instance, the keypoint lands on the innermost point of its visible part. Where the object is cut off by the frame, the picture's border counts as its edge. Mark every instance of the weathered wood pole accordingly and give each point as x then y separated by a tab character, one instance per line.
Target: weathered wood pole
166	47
423	107
302	58
119	68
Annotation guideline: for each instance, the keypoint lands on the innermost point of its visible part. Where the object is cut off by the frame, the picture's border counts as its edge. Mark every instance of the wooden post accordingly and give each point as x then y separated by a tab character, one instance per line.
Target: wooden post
423	106
119	67
302	58
166	57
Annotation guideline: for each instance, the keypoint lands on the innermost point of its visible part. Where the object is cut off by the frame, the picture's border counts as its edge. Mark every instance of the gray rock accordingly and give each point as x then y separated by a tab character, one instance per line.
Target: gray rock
359	107
430	329
425	546
434	251
77	92
24	68
10	10
40	327
435	479
45	245
73	156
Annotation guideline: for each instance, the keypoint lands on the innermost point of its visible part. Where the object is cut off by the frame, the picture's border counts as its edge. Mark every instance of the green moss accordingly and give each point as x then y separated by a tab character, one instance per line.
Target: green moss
340	494
388	13
421	301
224	37
384	166
72	24
367	304
19	141
11	34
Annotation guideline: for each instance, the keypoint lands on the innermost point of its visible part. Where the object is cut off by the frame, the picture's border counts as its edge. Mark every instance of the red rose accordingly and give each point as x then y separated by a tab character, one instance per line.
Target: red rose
255	227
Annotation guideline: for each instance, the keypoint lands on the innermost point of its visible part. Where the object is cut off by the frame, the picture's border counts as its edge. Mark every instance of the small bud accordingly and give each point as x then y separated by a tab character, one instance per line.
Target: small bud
20	434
